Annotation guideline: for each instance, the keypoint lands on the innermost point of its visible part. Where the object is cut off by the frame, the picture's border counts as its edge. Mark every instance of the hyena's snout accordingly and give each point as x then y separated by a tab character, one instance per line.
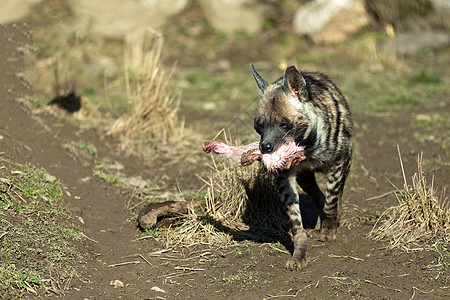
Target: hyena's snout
271	139
266	147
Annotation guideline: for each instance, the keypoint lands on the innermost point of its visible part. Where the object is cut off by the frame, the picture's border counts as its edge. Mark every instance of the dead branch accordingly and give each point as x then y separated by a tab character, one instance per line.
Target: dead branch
154	212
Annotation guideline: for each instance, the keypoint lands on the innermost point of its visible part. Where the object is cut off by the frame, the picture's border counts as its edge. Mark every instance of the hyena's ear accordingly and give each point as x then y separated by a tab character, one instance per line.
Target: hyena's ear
260	82
293	82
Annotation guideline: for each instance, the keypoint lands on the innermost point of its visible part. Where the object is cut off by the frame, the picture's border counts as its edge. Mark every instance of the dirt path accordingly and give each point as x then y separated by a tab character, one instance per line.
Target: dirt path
352	267
38	140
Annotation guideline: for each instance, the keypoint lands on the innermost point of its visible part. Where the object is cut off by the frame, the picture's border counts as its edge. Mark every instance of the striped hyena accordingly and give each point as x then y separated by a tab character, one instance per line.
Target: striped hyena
308	108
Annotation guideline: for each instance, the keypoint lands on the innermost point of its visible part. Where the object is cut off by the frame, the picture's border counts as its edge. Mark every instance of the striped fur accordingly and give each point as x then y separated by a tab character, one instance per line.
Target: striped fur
307	108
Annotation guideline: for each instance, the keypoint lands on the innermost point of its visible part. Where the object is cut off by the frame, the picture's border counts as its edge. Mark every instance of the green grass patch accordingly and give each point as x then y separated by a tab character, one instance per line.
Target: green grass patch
38	252
224	96
109	177
342	285
242	278
88	147
391	90
424	76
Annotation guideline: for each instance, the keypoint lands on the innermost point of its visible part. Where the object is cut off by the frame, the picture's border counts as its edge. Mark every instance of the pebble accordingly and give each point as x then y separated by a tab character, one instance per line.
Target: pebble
49	178
157	289
116	284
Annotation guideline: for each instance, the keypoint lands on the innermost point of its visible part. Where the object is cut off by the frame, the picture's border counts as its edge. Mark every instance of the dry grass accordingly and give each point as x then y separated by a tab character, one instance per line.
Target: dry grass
240	203
152	117
421	218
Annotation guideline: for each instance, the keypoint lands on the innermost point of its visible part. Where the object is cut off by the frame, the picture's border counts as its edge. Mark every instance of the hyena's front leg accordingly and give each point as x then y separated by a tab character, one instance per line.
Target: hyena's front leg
335	177
289	197
307	181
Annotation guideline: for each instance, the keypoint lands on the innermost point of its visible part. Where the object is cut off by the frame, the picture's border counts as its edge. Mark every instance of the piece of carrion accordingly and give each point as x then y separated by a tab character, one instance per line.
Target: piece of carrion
286	156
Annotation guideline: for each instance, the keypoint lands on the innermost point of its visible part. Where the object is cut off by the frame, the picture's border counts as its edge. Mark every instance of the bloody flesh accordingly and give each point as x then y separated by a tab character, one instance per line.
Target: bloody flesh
286	156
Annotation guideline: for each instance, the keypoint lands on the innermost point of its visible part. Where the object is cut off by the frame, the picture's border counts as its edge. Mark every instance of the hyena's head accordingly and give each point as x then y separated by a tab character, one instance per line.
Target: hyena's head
281	115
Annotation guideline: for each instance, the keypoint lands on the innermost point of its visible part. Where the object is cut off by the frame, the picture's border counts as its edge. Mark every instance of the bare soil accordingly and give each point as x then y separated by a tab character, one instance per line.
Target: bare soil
351	267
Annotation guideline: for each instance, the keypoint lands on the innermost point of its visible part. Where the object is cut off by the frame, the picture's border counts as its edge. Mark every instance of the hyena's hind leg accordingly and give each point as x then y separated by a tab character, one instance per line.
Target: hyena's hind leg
289	196
335	181
307	181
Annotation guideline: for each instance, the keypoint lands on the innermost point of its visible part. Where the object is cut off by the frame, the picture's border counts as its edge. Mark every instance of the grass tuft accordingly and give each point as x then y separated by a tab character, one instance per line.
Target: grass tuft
152	117
240	203
424	76
420	220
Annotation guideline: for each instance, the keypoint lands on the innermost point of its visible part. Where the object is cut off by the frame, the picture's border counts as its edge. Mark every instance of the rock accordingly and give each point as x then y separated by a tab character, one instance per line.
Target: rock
117	284
80	219
409	43
234	15
119	18
115	166
136	182
409	15
14	10
49	178
330	21
423	117
441	4
157	289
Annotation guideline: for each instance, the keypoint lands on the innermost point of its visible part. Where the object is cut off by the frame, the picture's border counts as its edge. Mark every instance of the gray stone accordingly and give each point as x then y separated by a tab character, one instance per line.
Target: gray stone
330	21
116	284
136	182
120	18
235	15
14	10
49	178
410	43
441	4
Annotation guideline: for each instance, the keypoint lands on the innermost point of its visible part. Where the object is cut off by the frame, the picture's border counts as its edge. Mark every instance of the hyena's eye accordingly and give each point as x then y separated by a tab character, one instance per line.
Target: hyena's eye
285	126
259	125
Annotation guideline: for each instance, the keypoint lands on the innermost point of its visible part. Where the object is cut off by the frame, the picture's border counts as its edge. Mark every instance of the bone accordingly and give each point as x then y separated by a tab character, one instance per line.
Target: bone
285	157
232	152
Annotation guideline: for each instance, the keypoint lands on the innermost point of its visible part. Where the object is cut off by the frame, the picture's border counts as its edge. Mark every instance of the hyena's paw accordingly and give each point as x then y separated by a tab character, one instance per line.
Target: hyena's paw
328	230
327	234
296	264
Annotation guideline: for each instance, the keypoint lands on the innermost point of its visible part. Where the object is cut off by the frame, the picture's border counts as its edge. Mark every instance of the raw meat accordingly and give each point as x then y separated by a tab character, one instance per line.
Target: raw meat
286	156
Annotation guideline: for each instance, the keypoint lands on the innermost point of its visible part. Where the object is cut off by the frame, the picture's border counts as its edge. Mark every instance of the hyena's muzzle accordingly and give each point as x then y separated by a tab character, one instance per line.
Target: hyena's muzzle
271	138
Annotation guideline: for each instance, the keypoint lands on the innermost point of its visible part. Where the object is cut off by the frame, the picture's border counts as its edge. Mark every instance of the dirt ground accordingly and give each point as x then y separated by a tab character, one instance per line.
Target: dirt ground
351	267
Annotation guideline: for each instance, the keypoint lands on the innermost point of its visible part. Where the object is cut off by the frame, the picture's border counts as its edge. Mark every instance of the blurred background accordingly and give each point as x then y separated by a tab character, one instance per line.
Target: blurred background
203	37
162	74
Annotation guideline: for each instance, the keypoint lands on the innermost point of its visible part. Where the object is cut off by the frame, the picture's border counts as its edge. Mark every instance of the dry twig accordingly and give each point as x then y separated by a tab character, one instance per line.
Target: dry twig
383	287
124	264
381	196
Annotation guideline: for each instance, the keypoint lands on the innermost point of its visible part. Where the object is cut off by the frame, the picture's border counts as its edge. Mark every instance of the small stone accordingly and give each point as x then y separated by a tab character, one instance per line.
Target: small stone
423	117
133	181
157	289
117	284
49	178
376	68
209	106
85	179
115	166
